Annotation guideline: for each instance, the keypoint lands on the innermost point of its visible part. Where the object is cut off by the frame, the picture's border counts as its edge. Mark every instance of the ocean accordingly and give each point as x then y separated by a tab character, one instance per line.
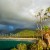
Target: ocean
7	44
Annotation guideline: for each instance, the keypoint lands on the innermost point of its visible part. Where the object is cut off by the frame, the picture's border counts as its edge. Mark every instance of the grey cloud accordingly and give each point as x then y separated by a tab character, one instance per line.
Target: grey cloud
18	11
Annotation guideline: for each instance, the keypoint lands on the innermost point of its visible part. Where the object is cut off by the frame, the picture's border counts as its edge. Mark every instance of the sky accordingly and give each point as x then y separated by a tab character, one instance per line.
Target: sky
21	12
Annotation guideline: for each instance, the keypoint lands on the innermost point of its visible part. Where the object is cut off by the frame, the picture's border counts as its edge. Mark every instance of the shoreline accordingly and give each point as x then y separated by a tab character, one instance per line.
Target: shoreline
19	39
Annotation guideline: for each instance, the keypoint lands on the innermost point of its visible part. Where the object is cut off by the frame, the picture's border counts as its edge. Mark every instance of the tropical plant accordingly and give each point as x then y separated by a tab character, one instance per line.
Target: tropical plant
41	45
22	46
14	48
48	9
45	27
33	47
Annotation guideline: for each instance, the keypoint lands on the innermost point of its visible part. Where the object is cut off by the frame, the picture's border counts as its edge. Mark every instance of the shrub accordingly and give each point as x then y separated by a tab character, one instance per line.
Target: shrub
14	48
22	46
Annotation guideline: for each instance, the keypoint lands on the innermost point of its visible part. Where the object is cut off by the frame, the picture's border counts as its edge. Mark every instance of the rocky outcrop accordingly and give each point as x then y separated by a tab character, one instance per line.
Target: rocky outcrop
47	37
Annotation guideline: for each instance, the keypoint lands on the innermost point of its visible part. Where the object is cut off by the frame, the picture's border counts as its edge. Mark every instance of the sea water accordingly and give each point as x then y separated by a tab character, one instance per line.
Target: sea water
6	44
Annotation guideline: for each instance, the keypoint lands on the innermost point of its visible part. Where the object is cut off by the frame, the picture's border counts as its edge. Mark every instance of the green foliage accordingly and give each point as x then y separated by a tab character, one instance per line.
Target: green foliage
26	33
45	27
33	47
41	45
48	9
14	48
22	46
